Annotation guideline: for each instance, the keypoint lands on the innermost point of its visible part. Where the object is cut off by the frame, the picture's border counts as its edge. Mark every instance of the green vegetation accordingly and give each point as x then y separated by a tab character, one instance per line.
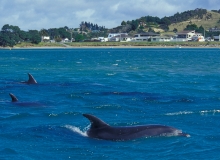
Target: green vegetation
41	44
12	35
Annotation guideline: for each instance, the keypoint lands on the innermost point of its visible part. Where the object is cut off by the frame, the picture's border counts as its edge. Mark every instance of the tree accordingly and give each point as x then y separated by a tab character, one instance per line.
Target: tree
53	32
175	30
134	25
63	33
191	27
79	37
151	30
123	23
43	32
24	36
34	36
9	35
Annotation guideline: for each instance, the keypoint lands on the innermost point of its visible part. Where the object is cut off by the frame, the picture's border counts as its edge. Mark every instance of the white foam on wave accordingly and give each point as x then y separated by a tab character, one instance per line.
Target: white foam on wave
179	113
76	130
209	111
110	74
203	112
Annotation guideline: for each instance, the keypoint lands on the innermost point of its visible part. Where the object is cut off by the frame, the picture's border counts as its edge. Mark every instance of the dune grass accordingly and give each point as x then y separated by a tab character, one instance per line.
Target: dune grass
144	44
41	44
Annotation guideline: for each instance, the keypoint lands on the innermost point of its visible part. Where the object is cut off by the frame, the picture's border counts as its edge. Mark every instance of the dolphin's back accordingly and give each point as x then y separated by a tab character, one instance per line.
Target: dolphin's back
99	129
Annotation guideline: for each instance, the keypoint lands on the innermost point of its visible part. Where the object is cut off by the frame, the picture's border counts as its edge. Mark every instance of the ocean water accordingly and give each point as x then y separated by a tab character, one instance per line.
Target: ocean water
124	87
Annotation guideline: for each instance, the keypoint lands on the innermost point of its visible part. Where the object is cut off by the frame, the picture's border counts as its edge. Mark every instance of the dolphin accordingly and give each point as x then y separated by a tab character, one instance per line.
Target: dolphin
101	130
31	80
15	100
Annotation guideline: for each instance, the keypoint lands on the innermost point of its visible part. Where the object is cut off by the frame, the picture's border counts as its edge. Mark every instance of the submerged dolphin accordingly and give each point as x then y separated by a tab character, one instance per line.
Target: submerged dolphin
14	99
31	80
101	130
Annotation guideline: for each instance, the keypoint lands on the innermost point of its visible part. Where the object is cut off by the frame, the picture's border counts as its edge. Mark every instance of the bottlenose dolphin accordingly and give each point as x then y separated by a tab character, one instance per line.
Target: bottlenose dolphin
101	130
15	100
31	80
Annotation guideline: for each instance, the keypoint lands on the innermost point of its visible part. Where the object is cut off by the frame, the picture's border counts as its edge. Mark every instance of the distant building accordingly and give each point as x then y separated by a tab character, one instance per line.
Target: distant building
65	40
161	39
144	36
186	35
116	37
113	36
103	39
214	29
216	38
45	38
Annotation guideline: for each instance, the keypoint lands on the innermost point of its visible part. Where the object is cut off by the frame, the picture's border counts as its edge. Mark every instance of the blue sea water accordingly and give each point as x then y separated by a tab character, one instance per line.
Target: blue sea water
124	87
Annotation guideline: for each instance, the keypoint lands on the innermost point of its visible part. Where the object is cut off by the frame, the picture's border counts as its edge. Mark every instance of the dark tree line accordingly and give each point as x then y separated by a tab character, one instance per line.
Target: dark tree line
217	11
195	27
11	35
90	26
184	16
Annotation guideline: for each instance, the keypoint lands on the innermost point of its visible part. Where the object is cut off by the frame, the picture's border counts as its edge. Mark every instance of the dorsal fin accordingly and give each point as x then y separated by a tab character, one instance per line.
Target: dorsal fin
13	98
31	79
95	122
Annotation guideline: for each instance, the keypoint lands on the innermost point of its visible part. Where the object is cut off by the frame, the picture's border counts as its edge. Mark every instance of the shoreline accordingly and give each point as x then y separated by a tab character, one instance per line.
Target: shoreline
112	47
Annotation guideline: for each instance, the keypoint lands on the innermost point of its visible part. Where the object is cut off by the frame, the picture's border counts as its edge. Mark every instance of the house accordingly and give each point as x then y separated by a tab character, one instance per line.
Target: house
216	38
198	38
161	39
186	35
45	38
65	40
144	36
214	29
113	36
126	38
103	39
116	37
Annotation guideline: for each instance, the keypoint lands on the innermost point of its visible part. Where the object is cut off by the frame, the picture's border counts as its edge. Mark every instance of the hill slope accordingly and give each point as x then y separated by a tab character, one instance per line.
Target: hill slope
166	25
206	23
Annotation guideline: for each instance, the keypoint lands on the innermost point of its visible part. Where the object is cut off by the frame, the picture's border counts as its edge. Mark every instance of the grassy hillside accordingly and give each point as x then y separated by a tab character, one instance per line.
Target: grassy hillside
206	19
199	22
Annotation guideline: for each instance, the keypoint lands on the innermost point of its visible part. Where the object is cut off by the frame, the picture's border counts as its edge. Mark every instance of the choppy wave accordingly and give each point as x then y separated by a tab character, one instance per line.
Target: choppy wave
17	116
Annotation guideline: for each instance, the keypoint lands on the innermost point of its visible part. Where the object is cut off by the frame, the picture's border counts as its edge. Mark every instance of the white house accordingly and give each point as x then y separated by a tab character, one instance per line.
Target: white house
114	36
103	39
186	35
144	36
65	40
45	38
161	39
